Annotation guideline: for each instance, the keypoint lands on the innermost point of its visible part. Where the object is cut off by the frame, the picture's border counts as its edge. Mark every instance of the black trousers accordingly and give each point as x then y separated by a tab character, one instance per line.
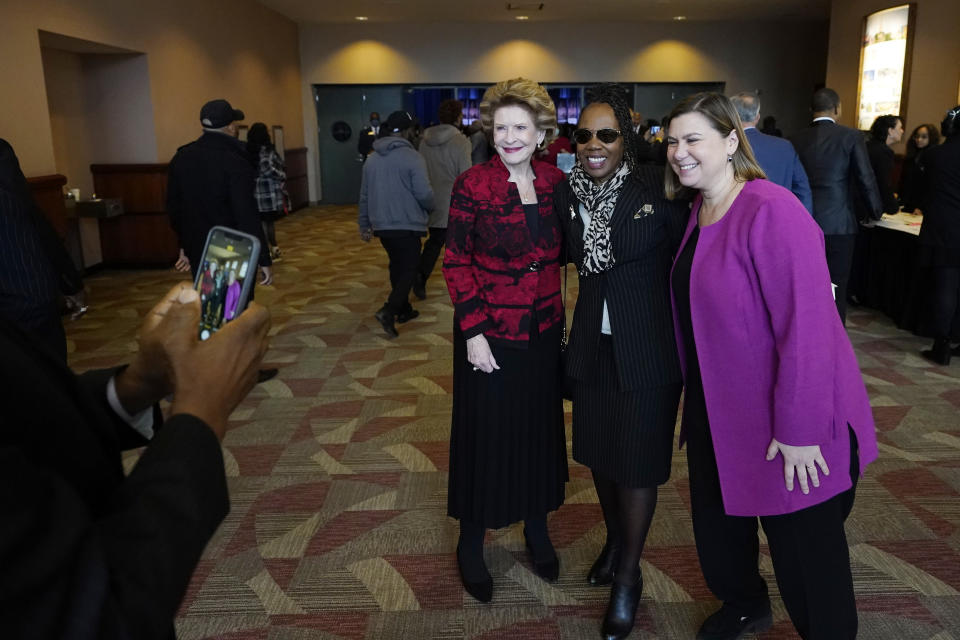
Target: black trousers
431	251
858	282
839	250
267	220
404	254
945	300
809	550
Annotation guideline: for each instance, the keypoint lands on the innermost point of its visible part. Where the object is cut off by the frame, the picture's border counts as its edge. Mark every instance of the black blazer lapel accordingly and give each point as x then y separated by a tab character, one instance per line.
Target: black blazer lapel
628	204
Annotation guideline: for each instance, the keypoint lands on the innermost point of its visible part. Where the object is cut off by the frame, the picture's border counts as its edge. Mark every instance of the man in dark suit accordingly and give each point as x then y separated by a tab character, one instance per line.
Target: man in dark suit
776	156
87	552
835	158
211	181
368	135
36	272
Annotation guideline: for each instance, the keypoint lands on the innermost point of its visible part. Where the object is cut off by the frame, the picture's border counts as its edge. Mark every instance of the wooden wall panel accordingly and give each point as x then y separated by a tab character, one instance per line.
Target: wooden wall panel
142	235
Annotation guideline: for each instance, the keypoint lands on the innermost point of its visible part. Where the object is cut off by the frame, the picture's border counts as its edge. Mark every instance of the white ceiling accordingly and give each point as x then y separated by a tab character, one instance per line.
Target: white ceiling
425	11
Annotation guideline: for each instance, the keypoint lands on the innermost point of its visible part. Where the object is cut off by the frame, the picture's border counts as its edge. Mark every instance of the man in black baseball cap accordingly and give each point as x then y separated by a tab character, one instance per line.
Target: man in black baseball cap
397	121
210	182
198	199
218	114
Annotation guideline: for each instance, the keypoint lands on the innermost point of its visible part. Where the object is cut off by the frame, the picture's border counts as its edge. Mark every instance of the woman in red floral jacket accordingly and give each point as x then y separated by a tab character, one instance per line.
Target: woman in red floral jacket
508	459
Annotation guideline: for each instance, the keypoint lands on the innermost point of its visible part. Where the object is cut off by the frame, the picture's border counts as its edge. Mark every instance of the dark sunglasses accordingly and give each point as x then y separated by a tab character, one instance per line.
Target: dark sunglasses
606	136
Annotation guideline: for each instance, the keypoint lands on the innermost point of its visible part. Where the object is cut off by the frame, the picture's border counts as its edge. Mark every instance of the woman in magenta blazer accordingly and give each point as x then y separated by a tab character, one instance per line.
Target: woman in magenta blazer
776	417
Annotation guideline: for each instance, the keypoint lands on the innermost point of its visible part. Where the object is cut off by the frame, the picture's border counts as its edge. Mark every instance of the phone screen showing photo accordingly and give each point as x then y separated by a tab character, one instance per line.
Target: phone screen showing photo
225	277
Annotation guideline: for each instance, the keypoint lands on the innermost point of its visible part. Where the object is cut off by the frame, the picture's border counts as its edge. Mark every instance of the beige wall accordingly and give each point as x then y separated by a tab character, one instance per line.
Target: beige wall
935	72
783	61
196	50
63	75
100	112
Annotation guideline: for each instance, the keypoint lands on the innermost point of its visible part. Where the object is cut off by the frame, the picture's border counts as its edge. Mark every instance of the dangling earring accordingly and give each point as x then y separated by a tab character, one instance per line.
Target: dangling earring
729	158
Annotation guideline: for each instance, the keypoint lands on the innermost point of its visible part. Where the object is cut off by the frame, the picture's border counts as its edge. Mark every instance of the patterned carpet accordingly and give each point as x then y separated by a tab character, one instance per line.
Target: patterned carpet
337	472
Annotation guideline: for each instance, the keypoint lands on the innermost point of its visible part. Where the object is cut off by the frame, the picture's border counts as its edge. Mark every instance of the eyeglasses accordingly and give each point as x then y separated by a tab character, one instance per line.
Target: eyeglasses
606	136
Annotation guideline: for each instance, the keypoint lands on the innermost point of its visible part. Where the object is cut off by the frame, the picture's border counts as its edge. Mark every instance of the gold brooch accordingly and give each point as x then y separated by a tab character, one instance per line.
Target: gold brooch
645	210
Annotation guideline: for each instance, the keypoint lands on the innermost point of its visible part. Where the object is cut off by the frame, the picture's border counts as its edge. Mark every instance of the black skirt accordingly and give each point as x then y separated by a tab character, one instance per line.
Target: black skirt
508	454
623	436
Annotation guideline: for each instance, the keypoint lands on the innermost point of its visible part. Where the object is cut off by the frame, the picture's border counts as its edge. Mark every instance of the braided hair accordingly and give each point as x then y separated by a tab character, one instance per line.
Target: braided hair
615	95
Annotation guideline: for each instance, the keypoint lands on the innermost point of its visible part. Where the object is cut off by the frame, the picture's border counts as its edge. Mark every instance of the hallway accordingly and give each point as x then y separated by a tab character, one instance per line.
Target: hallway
337	472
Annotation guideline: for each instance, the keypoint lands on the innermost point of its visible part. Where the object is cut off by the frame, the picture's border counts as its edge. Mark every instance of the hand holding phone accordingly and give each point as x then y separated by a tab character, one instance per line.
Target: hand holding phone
225	277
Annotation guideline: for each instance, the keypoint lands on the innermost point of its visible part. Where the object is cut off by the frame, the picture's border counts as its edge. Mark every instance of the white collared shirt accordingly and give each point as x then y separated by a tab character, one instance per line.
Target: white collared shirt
142	422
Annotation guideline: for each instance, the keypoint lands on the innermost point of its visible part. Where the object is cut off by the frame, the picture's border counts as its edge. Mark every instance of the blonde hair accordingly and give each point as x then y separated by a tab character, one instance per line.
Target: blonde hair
722	116
524	93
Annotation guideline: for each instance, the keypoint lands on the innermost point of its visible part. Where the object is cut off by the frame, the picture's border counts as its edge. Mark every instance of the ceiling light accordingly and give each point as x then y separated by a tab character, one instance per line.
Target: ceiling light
361	18
679	17
523	17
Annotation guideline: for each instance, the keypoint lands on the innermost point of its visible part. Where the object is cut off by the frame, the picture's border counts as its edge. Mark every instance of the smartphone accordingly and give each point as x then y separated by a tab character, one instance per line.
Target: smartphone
654	130
225	277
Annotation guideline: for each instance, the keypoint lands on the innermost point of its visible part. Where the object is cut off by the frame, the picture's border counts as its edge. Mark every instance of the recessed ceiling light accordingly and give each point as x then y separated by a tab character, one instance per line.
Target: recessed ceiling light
361	18
679	17
523	17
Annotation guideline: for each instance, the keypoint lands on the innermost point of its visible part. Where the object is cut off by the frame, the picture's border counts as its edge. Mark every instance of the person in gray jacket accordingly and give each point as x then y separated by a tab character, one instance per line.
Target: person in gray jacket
479	146
447	153
395	200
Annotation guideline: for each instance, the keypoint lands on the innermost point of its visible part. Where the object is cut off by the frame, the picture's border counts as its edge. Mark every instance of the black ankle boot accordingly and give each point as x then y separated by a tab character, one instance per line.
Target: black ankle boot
622	609
605	566
476	580
545	562
939	353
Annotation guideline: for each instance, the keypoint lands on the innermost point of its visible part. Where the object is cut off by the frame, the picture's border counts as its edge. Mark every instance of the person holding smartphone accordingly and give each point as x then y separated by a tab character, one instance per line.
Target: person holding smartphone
88	551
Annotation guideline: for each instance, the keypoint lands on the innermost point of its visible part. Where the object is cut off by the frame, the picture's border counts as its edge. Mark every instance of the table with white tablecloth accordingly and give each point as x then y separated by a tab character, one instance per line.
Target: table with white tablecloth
892	278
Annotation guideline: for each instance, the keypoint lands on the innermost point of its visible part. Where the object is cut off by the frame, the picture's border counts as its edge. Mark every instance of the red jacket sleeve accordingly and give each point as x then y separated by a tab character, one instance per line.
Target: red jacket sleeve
468	305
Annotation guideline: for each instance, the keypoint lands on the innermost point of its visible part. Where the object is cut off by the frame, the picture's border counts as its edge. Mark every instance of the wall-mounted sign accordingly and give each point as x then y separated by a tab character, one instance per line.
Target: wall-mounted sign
341	131
885	54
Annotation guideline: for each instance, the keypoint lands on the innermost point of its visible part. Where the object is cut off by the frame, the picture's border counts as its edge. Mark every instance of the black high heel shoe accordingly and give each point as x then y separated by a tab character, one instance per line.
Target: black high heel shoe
605	566
618	621
481	588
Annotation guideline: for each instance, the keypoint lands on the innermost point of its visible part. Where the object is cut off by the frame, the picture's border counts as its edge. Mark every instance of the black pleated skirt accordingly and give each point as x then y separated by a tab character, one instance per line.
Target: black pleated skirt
623	436
508	454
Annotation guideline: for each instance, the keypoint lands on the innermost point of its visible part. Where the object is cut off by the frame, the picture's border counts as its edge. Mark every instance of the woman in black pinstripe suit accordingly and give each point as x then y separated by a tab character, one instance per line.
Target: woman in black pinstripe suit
621	233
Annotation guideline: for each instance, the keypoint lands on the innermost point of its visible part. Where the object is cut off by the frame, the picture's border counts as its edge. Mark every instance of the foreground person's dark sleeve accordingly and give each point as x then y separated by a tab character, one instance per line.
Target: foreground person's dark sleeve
70	573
